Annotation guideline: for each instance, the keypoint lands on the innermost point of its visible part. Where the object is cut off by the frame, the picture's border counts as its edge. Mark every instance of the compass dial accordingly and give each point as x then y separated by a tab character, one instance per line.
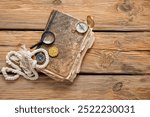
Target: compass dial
82	27
40	57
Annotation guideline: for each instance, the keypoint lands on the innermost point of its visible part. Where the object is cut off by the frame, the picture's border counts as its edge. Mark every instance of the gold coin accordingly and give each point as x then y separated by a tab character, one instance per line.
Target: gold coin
53	51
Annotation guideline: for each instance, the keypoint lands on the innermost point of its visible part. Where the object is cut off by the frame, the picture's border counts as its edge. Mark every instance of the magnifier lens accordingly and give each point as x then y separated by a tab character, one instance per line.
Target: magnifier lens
48	38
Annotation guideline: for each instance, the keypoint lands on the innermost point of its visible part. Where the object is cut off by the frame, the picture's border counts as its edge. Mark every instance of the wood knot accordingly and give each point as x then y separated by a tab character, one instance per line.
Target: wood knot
117	87
117	44
126	6
57	2
130	8
106	58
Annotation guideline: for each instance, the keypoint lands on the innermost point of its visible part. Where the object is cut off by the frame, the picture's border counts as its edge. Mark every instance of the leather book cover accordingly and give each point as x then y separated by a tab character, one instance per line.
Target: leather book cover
71	45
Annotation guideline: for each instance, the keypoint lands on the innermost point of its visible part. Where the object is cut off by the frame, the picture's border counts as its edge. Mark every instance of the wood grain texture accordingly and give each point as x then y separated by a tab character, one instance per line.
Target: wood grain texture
116	54
84	87
121	53
108	14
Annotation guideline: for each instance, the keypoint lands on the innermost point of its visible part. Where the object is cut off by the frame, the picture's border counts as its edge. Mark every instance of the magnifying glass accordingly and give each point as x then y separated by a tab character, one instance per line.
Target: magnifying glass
46	38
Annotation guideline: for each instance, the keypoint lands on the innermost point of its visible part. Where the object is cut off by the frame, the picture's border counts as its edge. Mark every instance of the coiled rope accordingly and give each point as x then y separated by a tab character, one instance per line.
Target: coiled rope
21	63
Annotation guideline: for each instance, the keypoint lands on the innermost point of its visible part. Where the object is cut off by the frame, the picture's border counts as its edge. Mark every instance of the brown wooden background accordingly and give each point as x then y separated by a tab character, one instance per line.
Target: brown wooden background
117	66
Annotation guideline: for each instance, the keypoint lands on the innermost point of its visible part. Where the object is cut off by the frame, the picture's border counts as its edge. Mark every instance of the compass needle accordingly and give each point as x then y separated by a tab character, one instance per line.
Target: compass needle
82	27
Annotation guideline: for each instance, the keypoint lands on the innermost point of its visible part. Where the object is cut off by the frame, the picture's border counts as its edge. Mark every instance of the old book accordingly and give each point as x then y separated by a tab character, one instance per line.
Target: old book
72	46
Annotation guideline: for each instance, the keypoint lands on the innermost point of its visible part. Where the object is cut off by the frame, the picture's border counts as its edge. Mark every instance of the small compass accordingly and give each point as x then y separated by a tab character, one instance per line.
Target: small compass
40	57
82	27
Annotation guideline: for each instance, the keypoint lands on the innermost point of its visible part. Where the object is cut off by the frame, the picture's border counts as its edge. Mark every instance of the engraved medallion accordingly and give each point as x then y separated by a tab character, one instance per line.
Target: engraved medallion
53	51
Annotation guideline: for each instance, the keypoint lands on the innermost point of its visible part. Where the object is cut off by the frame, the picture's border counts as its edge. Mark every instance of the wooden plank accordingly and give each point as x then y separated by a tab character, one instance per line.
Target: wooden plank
104	40
123	53
133	62
84	87
108	14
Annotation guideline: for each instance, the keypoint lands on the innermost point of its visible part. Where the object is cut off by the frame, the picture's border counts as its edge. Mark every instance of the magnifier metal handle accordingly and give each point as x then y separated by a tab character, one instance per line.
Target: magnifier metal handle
47	28
37	44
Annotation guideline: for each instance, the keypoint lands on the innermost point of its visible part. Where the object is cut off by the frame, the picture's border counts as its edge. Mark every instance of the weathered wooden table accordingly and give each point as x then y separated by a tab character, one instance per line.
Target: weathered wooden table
117	66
